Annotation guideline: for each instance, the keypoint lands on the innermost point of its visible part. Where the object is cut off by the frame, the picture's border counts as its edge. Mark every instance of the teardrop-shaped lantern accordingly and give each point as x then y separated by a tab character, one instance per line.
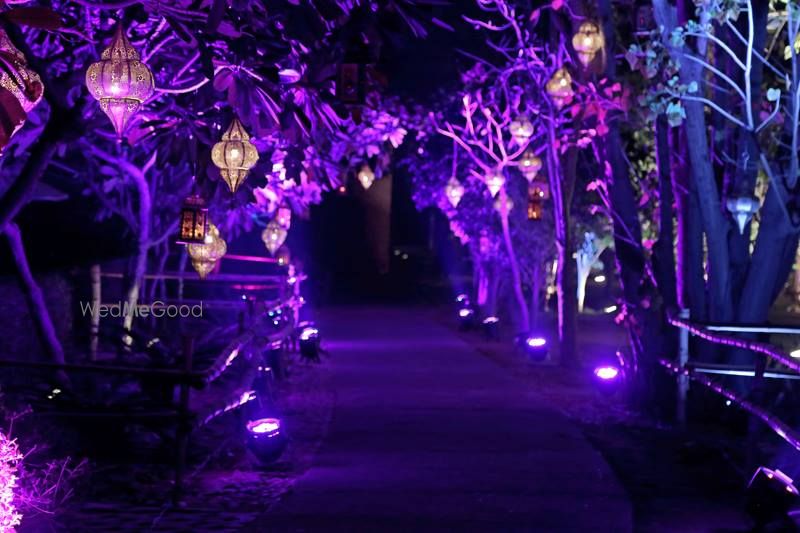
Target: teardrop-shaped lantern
234	155
23	84
274	236
495	182
587	42
559	88
120	81
454	191
366	176
742	208
206	255
521	129
530	165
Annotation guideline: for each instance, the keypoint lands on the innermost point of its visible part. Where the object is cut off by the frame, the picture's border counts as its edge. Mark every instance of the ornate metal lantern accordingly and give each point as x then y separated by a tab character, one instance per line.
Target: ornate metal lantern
120	81
500	207
194	221
560	88
205	256
234	155
350	83
534	209
521	129
454	191
20	89
495	182
530	165
366	176
539	191
742	208
587	42
284	256
274	236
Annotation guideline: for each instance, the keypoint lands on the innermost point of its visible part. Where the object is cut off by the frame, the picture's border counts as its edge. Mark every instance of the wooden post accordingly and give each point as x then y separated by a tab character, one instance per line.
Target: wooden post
95	315
184	428
683	380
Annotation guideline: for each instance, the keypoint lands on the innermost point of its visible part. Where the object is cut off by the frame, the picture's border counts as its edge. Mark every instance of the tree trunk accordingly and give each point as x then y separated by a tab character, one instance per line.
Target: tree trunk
143	245
664	250
537	282
522	306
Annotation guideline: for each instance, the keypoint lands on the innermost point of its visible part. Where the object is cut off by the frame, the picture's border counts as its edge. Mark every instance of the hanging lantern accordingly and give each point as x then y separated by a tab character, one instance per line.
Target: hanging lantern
645	19
530	165
521	129
534	209
454	191
587	42
234	155
350	83
560	88
495	182
274	236
742	208
283	216
194	221
284	256
366	176
20	89
120	81
498	205
205	256
539	191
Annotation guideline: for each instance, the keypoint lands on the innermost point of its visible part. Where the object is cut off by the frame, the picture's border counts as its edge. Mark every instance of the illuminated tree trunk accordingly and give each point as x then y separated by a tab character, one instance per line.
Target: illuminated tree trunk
522	306
143	246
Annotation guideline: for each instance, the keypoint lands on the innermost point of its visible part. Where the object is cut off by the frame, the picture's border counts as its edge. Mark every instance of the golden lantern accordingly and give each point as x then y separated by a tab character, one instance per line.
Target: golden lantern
501	207
366	176
25	86
206	255
234	155
538	191
587	42
534	209
193	221
284	217
454	191
560	88
274	236
284	256
530	165
495	182
521	129
120	81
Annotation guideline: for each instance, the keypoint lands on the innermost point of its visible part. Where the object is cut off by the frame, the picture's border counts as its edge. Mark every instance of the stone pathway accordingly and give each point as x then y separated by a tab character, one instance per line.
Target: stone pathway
429	435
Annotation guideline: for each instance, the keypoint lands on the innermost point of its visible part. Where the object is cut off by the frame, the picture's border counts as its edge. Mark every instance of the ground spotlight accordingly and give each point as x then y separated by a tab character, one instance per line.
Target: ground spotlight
771	494
607	378
535	346
466	318
265	439
309	342
491	327
462	299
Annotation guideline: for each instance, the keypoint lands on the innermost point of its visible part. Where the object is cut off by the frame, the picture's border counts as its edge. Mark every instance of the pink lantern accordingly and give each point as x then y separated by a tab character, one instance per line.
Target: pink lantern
20	89
120	81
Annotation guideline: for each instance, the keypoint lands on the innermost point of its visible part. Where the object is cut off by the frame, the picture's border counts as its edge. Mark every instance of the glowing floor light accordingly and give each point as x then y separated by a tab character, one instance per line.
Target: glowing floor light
610	309
600	278
265	439
771	494
795	353
535	347
536	342
606	373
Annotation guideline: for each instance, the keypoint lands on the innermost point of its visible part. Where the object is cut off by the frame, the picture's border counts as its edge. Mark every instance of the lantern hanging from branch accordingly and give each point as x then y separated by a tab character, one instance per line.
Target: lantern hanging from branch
366	176
587	42
530	165
742	208
274	236
539	190
205	256
284	256
534	208
560	88
194	221
120	81
454	191
283	216
495	182
521	129
21	89
234	155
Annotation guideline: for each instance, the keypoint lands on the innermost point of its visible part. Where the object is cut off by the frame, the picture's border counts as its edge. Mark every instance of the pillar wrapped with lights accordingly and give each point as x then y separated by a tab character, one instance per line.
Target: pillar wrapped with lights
120	81
742	208
587	42
274	236
366	176
21	89
193	221
495	182
454	191
234	155
206	255
530	165
559	88
521	129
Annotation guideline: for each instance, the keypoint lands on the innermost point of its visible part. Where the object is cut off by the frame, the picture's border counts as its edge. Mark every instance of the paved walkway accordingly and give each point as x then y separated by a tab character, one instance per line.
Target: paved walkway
428	435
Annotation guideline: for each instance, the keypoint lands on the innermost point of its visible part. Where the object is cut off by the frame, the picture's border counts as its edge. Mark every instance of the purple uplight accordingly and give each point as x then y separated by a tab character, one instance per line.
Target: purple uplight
464	313
536	342
606	373
461	298
491	320
309	333
264	426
